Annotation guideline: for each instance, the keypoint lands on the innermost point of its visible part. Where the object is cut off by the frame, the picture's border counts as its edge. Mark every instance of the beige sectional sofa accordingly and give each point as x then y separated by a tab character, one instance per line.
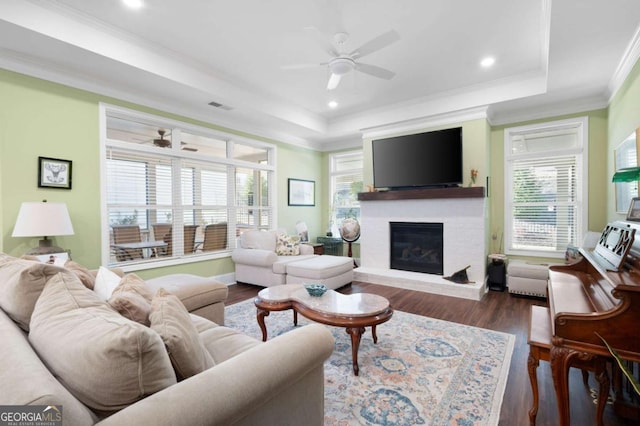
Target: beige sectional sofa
64	345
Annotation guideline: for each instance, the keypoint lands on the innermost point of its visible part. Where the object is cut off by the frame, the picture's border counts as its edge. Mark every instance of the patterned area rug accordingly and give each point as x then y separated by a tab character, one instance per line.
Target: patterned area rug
422	371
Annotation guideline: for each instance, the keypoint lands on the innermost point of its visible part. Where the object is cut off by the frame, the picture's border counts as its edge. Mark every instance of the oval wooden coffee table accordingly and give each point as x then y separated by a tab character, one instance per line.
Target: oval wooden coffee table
352	311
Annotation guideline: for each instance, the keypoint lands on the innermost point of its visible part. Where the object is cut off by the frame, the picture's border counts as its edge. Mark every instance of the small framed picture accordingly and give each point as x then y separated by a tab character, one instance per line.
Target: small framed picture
54	173
634	210
302	192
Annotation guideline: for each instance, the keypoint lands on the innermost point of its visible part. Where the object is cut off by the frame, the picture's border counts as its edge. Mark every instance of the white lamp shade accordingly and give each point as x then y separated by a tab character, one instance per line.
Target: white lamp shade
42	219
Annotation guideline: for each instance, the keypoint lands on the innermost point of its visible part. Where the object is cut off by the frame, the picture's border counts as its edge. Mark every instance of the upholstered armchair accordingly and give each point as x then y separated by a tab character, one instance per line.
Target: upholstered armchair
262	257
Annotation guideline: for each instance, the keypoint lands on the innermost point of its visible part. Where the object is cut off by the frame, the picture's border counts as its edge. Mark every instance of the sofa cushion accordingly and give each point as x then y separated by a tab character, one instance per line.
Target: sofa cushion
171	320
280	266
265	240
193	291
21	282
24	379
107	361
255	257
288	245
321	267
224	343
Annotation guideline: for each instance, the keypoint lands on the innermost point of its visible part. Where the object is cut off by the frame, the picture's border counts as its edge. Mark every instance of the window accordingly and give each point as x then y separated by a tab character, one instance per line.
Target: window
545	187
346	182
175	193
626	156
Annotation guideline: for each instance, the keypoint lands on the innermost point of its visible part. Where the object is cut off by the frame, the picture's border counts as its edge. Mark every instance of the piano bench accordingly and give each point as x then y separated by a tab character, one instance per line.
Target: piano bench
527	278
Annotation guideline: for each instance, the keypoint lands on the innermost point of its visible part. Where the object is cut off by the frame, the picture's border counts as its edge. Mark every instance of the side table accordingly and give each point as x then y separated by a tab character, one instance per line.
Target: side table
318	248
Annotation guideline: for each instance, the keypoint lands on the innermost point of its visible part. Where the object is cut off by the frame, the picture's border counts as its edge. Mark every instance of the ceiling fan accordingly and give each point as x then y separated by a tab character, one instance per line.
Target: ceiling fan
343	62
162	142
166	143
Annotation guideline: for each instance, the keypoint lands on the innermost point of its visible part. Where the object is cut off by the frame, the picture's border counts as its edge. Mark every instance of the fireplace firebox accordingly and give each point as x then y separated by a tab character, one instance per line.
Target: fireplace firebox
416	247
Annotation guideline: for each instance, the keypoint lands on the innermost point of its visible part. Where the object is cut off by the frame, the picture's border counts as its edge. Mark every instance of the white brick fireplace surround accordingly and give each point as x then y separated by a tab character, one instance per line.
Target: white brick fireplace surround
462	213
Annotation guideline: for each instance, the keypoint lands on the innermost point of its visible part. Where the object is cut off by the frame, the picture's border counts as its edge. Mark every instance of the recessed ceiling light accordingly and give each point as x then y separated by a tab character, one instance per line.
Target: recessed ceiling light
133	4
488	62
333	104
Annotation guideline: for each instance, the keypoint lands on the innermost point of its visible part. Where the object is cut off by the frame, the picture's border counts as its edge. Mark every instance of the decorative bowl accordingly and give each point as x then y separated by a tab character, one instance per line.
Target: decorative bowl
315	290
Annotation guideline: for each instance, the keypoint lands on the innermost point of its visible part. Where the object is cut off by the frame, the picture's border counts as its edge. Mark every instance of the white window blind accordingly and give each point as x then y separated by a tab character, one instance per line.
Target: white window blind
545	192
346	182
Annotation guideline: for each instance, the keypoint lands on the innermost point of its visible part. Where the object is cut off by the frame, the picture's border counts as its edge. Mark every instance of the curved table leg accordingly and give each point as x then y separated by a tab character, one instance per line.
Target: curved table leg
260	317
532	364
373	333
355	333
295	317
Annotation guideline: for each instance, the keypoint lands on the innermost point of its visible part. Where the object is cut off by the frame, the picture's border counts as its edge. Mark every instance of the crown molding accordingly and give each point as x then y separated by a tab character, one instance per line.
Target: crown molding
628	61
426	122
577	106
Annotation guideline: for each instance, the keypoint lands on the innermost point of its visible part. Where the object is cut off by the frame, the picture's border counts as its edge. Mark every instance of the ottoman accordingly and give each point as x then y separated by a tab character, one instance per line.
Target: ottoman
201	296
332	271
527	278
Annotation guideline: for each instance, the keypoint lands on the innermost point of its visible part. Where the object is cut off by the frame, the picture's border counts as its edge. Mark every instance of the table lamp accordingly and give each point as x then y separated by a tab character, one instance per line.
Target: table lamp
628	174
42	219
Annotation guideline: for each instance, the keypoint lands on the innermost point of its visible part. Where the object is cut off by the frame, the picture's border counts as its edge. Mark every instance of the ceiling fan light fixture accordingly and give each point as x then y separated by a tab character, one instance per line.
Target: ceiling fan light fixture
332	104
334	80
341	65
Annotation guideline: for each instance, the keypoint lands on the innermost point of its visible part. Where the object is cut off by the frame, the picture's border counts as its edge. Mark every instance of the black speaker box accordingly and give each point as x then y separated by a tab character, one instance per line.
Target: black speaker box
497	276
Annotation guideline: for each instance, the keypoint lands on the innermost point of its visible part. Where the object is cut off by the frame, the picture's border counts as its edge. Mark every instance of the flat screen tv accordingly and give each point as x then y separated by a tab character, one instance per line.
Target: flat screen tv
430	159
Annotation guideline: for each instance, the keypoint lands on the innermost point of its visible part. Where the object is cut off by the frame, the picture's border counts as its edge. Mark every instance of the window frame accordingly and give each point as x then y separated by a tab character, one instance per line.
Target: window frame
229	161
581	126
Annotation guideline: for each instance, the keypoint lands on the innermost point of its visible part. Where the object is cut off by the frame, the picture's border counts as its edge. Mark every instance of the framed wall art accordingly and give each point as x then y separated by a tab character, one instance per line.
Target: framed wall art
302	192
54	173
634	210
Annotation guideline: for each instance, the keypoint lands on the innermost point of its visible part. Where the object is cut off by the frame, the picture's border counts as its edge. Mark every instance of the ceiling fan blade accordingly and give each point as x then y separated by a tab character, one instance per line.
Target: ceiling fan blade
375	71
334	80
380	42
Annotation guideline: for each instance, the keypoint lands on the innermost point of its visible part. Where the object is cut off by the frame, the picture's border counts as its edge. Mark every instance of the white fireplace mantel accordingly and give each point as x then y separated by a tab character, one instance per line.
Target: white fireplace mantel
464	233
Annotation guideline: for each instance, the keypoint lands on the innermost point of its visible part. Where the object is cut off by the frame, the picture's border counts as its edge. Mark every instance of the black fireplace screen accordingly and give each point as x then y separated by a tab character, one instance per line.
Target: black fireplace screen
416	247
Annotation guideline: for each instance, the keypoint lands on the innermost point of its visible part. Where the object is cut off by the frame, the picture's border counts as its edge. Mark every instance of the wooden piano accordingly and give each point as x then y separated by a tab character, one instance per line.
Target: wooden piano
597	295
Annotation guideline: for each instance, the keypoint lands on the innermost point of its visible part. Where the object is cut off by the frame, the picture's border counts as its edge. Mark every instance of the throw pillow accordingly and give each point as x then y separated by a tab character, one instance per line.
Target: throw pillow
107	361
81	272
132	299
106	282
135	284
287	245
171	320
21	282
131	305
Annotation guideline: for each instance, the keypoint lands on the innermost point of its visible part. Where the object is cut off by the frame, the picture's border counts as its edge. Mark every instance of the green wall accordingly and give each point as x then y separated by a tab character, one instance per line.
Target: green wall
40	118
624	119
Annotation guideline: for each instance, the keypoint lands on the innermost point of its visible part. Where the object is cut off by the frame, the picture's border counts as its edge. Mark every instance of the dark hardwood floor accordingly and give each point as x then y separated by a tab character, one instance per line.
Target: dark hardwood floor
498	311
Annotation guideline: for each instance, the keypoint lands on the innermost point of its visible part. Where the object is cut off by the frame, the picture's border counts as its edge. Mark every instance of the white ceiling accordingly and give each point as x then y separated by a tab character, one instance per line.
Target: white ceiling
551	58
